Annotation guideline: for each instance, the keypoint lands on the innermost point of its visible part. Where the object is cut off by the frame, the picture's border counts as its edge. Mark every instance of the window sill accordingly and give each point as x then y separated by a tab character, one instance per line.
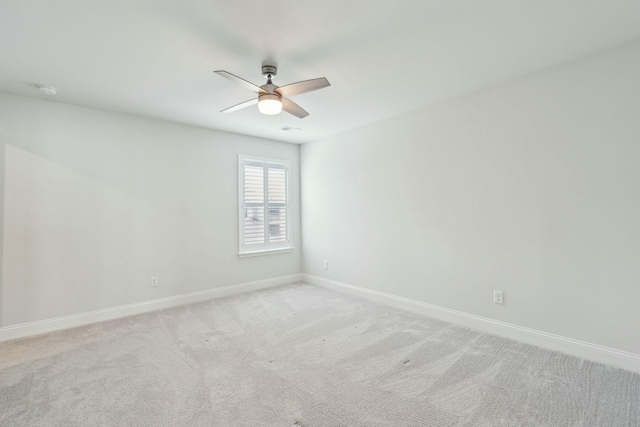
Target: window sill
267	252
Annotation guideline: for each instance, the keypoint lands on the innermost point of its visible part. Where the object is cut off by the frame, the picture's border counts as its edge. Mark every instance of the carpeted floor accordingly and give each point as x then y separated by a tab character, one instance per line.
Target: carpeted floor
301	355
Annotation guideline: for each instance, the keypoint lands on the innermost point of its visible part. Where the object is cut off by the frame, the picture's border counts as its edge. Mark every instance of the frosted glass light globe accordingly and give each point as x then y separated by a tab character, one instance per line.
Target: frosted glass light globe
270	104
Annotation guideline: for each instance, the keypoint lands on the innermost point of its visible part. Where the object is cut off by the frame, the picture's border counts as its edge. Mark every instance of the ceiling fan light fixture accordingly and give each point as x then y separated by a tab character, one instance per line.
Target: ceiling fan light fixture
270	104
273	99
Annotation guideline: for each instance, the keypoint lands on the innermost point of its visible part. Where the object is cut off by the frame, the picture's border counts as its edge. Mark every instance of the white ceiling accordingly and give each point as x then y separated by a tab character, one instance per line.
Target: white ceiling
156	57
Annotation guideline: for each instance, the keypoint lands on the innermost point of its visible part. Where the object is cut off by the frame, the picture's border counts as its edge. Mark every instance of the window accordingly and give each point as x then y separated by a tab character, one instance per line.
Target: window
264	206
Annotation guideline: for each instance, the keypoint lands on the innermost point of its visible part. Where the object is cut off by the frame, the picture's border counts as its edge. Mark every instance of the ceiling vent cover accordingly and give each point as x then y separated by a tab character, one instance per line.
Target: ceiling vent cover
290	129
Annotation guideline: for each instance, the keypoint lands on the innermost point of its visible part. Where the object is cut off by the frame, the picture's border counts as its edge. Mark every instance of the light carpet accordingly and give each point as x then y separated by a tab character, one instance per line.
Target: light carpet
301	355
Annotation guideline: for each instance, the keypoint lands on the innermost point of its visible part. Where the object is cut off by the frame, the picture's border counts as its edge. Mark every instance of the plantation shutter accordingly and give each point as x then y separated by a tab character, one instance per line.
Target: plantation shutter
277	194
264	207
253	204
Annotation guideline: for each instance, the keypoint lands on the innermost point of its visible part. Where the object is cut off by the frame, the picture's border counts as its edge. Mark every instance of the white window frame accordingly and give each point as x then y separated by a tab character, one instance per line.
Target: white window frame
265	248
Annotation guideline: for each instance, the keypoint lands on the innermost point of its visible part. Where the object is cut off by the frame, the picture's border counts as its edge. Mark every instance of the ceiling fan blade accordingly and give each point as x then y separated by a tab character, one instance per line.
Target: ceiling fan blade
303	87
242	82
240	106
293	108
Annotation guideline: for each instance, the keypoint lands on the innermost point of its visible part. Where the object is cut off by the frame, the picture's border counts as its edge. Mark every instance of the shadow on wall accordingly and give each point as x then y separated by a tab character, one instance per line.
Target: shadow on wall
77	240
69	237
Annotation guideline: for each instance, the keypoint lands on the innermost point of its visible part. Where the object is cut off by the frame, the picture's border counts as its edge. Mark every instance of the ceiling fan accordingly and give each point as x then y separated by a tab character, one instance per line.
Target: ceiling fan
271	98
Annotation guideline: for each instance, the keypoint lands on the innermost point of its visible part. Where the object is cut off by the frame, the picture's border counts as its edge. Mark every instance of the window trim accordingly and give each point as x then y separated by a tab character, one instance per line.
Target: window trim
243	251
265	252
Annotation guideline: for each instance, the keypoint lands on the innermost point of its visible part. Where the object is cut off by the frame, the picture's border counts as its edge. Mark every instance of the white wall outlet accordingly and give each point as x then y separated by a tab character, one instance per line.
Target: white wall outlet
154	281
497	297
326	265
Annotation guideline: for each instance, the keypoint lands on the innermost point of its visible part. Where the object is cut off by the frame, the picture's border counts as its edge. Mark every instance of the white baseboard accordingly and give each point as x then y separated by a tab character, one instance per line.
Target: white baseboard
72	321
594	352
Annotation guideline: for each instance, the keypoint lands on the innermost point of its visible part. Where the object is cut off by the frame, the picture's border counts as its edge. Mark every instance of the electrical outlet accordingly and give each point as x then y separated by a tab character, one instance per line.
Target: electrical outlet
497	297
326	265
154	281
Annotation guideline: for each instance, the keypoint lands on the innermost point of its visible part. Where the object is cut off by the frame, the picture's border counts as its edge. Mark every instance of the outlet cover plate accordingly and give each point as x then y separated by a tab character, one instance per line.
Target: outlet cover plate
497	297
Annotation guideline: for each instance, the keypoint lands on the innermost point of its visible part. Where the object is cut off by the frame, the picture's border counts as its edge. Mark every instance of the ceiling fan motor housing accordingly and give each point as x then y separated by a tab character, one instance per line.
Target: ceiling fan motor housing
270	88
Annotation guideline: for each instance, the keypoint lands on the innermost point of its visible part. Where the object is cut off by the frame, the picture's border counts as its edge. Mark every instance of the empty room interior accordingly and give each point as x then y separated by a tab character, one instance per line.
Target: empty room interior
296	213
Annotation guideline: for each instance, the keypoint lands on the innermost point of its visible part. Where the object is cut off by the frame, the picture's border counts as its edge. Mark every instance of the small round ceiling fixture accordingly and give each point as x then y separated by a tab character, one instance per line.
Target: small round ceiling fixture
47	90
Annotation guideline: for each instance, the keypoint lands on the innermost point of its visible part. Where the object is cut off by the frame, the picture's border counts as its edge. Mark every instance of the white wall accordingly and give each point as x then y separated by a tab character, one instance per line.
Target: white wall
2	163
531	187
97	202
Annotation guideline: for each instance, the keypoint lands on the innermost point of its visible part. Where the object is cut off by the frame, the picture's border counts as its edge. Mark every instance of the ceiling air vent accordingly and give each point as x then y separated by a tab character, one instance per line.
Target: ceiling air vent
290	129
